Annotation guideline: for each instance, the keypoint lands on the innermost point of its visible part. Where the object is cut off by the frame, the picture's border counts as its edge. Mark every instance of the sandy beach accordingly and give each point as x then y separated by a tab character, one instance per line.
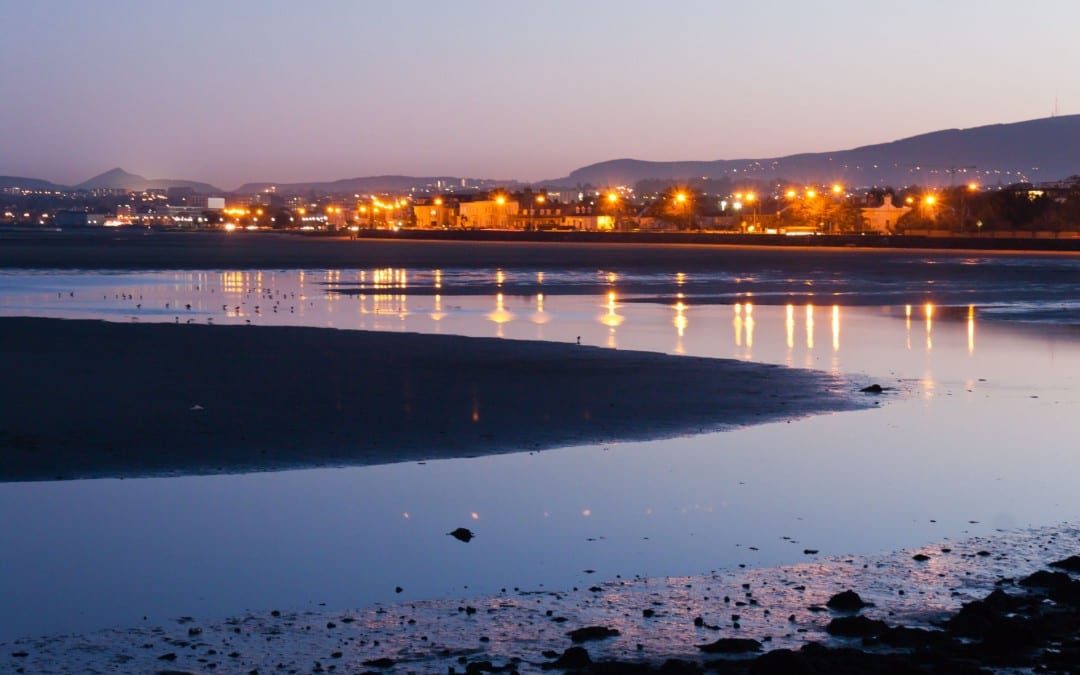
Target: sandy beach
87	398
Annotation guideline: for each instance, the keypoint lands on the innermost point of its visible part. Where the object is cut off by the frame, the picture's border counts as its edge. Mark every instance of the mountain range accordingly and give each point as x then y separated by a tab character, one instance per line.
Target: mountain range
1039	150
1036	150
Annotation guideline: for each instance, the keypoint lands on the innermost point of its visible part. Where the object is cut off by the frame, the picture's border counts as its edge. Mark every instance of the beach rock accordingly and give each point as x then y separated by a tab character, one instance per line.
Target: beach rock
380	663
1048	580
856	626
781	662
975	618
731	646
810	551
573	657
873	389
592	633
920	557
1070	564
462	534
847	601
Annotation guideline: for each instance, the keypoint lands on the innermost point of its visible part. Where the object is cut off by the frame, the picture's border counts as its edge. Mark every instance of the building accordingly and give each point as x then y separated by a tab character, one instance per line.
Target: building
487	212
437	213
883	218
79	219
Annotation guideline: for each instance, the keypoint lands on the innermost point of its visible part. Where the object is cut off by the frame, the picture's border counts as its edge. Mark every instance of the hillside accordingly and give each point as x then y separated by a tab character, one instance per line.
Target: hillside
1035	150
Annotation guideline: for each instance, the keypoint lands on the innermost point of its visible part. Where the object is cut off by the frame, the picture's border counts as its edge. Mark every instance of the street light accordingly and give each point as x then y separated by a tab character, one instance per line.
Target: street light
501	201
681	198
971	187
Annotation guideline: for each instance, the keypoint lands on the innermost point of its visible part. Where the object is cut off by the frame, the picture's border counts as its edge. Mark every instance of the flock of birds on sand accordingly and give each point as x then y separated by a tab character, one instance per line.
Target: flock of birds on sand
275	299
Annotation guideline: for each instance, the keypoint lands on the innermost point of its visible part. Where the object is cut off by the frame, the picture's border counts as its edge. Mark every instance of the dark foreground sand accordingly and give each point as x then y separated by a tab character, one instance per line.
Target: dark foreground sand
88	398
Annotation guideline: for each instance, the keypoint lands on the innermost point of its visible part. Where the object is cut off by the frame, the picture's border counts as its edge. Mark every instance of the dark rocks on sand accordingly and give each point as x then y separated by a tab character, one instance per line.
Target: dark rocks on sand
856	626
873	389
573	657
810	551
462	534
920	557
1070	564
592	633
847	601
731	646
380	663
1049	580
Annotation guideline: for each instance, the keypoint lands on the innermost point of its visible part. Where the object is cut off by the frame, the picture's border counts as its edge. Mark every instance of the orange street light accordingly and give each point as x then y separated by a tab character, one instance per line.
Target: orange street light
612	198
438	201
790	194
930	200
540	199
837	189
811	193
681	197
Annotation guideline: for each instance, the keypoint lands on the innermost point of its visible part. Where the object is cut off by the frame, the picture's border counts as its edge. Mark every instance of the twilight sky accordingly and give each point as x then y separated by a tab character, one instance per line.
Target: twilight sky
275	90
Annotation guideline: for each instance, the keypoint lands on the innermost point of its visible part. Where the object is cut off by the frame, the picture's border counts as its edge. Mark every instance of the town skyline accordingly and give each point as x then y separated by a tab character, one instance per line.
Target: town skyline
258	92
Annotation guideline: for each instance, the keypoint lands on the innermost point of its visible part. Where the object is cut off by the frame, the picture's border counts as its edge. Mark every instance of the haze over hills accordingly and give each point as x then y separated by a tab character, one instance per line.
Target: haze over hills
1036	150
118	179
1039	150
364	184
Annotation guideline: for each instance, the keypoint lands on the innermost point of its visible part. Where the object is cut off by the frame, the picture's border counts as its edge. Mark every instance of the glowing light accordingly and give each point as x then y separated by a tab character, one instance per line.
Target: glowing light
809	326
836	328
500	315
749	325
611	319
474	515
811	193
789	324
930	200
680	197
837	189
929	310
971	329
790	194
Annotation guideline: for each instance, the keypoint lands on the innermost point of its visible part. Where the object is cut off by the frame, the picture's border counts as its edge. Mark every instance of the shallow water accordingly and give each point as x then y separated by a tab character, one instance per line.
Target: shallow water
977	434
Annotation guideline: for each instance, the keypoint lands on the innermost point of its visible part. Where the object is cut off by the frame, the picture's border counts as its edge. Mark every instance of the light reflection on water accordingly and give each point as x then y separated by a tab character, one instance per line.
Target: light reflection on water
980	430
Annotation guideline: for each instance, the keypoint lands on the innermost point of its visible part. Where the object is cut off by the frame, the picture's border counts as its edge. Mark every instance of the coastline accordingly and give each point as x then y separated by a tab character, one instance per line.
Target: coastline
969	606
164	399
143	249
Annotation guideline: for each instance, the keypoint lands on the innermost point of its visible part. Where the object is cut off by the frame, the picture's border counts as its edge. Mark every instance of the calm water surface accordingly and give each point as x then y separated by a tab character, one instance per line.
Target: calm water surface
978	434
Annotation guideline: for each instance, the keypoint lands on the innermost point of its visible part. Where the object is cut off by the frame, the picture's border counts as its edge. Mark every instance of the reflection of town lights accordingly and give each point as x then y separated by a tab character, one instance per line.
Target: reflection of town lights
789	324
836	328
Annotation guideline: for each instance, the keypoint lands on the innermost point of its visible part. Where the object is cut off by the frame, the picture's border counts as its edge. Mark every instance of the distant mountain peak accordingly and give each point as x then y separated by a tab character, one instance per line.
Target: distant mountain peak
119	179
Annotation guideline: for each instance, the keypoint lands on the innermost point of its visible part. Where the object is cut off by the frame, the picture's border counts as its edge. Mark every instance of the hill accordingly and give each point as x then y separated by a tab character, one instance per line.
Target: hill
28	183
364	184
118	179
1036	150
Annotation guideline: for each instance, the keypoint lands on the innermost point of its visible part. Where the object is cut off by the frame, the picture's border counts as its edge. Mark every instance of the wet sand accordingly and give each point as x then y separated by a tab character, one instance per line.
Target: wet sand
929	610
92	399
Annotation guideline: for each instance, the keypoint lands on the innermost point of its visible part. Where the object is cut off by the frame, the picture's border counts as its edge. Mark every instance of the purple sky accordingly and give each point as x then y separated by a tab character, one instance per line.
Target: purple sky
269	90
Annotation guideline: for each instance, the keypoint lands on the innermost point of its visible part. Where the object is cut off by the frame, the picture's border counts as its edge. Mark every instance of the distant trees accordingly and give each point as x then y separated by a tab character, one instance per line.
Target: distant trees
1017	207
681	206
824	213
